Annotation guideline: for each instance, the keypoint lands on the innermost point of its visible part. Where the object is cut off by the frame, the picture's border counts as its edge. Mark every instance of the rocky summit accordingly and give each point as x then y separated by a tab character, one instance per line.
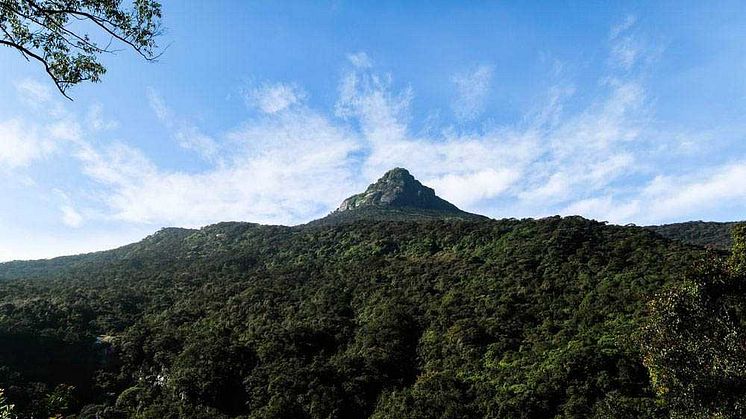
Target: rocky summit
396	196
397	188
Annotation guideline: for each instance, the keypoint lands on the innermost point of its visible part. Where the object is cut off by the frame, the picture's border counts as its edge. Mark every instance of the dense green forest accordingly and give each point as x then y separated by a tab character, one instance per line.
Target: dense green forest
701	233
439	318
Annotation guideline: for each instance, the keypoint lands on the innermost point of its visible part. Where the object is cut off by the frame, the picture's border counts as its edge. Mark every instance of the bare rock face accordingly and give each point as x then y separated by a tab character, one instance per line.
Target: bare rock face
397	189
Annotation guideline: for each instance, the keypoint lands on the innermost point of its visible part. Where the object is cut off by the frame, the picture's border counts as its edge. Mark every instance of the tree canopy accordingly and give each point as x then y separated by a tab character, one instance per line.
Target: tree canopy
67	37
384	319
695	338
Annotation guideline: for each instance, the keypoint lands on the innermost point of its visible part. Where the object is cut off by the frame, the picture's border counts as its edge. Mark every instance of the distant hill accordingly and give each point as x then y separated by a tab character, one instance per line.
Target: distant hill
153	248
699	233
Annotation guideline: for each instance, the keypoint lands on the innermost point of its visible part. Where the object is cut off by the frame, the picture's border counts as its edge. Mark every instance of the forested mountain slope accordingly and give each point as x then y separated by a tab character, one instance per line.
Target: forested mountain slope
699	233
510	318
397	305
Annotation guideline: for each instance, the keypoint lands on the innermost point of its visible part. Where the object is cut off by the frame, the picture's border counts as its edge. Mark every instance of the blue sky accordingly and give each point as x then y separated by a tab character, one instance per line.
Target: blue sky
273	112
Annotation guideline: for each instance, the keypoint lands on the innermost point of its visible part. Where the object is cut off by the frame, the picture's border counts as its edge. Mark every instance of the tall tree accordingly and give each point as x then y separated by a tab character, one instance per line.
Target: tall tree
695	340
55	33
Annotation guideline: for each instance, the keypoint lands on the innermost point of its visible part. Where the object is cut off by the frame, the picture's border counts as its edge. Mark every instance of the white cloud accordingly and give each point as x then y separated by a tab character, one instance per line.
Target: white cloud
96	120
190	137
33	92
273	98
627	47
70	216
284	168
470	188
668	198
116	164
368	99
187	135
549	161
360	60
555	187
47	245
676	197
292	163
22	143
158	105
625	52
604	208
472	89
623	26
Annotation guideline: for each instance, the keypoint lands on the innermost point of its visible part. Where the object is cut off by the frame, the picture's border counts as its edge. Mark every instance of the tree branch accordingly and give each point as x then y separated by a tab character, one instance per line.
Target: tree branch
102	23
40	30
28	53
86	43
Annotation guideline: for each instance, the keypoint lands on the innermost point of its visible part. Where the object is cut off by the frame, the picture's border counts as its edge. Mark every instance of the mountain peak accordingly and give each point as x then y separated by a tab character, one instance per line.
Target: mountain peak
396	196
397	188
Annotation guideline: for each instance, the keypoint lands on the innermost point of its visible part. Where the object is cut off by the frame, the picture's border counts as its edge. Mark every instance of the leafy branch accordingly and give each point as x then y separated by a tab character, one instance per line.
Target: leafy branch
50	33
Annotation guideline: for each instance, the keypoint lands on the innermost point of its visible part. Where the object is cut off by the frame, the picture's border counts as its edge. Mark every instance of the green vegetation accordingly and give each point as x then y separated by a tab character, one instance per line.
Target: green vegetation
695	339
409	214
699	233
439	318
48	32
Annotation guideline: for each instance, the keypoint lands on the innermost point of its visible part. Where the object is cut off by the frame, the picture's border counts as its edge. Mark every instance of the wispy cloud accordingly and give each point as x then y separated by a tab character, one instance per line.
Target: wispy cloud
367	99
282	169
274	97
472	89
70	216
676	197
542	165
627	47
625	52
96	120
186	134
292	162
622	26
33	92
22	143
360	60
468	189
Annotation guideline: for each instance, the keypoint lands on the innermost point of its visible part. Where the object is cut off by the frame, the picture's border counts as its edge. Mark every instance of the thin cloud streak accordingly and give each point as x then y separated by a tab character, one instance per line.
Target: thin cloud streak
186	134
472	90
